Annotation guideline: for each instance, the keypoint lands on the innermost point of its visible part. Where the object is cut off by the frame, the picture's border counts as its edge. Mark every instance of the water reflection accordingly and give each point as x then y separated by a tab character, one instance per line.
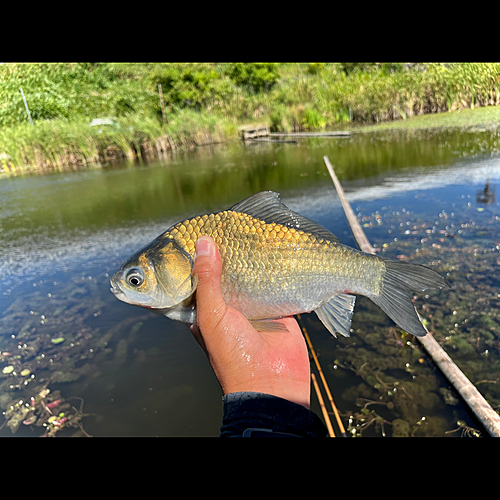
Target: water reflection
139	374
486	195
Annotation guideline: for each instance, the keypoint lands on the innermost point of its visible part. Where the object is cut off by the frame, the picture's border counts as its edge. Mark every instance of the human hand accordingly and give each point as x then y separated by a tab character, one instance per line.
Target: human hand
243	358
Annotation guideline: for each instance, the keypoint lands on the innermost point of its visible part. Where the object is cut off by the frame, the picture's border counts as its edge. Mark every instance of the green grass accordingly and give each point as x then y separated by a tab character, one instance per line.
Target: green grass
477	118
57	144
207	102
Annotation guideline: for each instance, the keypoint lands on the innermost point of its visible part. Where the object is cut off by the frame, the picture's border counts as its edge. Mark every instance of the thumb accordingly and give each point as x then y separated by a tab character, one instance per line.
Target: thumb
210	304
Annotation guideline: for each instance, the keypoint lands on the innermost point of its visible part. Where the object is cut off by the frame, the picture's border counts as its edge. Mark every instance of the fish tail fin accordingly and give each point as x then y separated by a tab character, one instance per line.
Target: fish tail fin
400	279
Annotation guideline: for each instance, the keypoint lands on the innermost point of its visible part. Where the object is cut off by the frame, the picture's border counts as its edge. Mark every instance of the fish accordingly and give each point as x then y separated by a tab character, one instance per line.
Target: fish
275	263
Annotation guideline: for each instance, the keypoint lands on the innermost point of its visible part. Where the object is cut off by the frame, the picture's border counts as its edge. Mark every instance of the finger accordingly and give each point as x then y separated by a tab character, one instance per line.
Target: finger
210	304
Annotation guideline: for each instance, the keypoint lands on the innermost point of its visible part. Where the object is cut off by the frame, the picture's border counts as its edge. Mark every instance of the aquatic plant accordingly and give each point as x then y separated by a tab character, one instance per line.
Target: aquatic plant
47	340
465	247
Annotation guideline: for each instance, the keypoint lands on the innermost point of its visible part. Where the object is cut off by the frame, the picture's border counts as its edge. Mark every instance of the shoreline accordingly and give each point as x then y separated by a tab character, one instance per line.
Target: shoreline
117	147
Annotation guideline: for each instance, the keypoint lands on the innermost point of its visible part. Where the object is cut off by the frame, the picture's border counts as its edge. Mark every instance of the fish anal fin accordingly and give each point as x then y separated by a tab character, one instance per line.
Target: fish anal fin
336	314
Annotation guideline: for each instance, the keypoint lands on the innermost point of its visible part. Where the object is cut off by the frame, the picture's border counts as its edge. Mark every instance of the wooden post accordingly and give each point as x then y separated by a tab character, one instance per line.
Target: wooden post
26	105
162	105
474	399
358	233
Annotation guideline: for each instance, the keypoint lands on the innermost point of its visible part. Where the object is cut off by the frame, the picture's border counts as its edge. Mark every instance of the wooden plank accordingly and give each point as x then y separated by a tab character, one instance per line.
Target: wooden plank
249	131
291	141
312	134
488	417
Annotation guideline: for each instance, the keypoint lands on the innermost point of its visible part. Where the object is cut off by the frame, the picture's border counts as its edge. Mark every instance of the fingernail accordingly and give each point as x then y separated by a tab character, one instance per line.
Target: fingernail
203	247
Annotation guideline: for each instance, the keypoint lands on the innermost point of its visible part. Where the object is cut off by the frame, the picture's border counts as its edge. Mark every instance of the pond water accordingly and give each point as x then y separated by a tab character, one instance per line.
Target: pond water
117	370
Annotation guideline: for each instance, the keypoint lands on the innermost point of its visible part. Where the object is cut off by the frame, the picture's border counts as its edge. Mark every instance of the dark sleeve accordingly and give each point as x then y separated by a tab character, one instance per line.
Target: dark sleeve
254	414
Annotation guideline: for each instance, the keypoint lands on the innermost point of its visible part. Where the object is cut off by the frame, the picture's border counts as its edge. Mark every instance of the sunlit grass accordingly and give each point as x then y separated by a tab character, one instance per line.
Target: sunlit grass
486	117
56	143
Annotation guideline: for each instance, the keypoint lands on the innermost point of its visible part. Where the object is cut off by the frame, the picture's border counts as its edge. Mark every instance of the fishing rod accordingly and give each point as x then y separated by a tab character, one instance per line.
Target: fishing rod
325	384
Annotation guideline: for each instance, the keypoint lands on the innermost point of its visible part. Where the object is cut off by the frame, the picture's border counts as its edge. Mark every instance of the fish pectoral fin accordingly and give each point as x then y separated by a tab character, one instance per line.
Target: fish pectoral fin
185	312
336	314
268	325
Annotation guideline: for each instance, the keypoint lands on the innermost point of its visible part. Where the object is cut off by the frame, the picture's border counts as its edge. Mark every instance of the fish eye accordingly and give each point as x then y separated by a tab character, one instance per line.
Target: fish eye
134	277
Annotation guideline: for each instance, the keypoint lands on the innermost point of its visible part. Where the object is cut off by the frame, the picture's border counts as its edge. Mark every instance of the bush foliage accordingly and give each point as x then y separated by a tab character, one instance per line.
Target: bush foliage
286	96
316	94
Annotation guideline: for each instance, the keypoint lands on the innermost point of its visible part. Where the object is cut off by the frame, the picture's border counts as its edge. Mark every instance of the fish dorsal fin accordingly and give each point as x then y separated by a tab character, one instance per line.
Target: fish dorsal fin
268	207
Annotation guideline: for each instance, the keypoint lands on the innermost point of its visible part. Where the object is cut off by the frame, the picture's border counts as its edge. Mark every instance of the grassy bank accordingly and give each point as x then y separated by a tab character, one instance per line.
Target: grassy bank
62	144
206	103
471	119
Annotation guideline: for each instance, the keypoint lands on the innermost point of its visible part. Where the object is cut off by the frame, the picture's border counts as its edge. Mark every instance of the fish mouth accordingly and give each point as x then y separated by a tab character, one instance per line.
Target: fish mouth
116	290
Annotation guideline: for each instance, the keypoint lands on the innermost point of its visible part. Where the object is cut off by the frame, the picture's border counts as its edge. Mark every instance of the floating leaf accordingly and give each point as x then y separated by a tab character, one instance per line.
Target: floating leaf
30	420
58	340
8	369
25	372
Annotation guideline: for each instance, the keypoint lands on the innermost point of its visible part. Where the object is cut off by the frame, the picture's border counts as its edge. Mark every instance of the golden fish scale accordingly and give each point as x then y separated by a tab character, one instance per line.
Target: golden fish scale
237	231
270	269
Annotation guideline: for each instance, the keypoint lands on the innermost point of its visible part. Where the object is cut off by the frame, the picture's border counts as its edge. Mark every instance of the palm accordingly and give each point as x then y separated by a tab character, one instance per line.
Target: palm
271	362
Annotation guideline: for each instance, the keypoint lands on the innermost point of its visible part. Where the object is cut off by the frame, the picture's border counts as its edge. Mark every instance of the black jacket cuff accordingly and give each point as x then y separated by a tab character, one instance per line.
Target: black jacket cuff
258	414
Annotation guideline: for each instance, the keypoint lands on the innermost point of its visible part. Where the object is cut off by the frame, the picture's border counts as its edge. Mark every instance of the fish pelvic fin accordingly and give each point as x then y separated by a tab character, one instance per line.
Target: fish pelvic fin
336	314
400	280
268	325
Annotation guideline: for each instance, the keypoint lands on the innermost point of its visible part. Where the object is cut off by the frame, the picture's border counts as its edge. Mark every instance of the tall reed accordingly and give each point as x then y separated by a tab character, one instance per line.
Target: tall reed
58	143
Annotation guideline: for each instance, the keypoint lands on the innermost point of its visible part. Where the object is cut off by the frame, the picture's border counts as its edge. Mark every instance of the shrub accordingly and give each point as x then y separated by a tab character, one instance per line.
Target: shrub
190	85
256	77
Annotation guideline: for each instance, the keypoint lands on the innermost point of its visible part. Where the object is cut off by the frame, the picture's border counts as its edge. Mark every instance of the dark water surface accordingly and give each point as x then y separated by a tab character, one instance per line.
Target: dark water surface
119	370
